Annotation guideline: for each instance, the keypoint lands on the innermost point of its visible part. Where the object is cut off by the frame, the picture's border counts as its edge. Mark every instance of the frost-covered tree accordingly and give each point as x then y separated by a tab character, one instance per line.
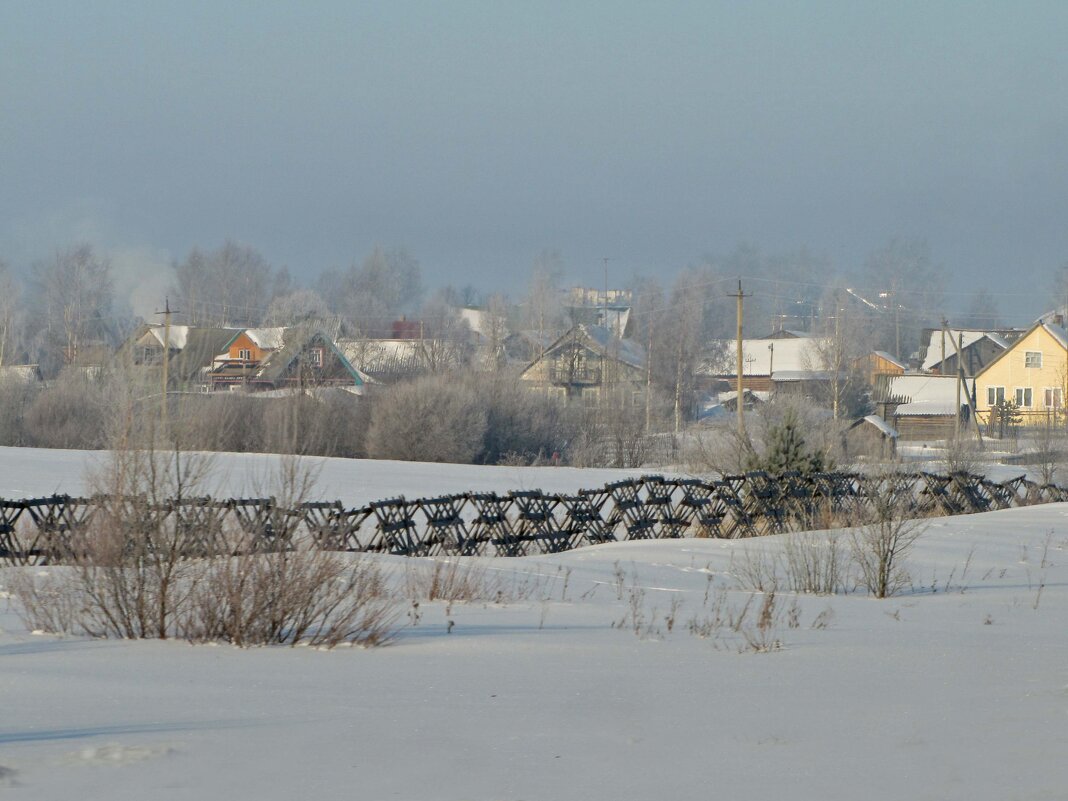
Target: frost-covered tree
785	449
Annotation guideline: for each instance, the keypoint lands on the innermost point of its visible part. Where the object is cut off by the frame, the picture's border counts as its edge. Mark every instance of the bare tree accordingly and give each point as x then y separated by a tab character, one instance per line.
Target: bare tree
909	291
10	316
543	305
76	295
228	286
839	350
300	307
881	545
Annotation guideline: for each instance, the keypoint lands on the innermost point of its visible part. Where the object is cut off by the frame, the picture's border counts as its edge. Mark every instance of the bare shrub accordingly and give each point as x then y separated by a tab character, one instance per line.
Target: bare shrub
466	580
1046	455
755	571
71	413
16	398
451	580
814	562
881	545
963	455
809	562
430	419
140	569
304	596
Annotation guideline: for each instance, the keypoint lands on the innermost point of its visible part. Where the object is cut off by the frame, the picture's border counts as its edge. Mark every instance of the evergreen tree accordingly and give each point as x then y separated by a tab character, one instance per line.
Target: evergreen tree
786	450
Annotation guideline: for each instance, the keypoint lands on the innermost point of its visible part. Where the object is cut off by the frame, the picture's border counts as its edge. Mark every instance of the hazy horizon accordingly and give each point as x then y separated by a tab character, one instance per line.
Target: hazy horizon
477	135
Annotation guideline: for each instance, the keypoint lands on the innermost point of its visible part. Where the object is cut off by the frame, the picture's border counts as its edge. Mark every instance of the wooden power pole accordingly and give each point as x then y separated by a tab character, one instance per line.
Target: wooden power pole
167	312
740	296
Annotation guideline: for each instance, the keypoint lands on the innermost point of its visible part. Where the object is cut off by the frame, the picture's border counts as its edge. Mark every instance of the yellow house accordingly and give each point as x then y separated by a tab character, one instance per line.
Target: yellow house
1032	372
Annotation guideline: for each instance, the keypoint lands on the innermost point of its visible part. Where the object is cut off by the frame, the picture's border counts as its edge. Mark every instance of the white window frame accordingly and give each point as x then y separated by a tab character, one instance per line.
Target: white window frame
317	357
1057	397
1033	359
1025	397
994	395
245	354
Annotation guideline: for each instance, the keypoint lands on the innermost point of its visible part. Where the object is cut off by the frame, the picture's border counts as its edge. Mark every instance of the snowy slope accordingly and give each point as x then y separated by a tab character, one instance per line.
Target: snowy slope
913	697
956	690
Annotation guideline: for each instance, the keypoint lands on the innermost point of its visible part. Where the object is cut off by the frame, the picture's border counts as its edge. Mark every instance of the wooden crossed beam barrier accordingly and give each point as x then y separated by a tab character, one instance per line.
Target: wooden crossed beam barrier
519	523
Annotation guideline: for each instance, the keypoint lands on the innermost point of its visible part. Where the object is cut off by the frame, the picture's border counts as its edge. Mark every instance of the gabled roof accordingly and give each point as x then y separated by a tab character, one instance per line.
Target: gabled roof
1055	331
882	354
275	366
790	355
176	337
626	350
601	341
967	338
200	348
267	338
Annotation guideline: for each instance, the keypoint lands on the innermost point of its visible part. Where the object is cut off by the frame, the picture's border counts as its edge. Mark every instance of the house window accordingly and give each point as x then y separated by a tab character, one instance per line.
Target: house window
995	395
1023	397
1033	358
317	357
591	396
244	355
1053	399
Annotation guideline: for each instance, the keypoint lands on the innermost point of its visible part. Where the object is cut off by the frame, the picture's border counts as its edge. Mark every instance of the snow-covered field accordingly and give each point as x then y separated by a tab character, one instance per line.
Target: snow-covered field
34	472
957	689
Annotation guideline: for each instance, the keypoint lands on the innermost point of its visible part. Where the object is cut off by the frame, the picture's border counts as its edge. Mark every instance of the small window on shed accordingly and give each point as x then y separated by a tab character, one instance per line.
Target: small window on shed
1033	358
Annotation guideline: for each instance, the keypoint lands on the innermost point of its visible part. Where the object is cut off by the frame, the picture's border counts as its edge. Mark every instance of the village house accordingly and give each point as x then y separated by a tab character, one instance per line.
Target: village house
1032	373
265	359
920	406
878	363
792	364
249	359
191	352
978	348
590	364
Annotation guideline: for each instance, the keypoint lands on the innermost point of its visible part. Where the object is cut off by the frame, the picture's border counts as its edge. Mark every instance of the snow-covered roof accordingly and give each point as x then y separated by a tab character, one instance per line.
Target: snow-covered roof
882	354
20	373
723	397
382	355
929	408
267	338
882	425
786	376
759	356
176	339
1057	333
626	350
965	337
922	388
477	320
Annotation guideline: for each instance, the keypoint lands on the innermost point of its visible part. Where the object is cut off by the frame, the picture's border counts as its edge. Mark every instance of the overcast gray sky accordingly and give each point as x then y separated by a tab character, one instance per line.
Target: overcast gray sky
478	134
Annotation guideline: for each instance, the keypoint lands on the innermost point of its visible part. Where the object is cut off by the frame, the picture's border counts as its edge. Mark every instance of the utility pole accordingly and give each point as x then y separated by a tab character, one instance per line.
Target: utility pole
897	326
837	366
958	343
167	312
740	399
942	364
605	301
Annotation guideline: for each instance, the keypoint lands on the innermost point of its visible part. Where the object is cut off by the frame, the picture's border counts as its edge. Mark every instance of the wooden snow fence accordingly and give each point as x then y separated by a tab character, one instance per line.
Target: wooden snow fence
54	529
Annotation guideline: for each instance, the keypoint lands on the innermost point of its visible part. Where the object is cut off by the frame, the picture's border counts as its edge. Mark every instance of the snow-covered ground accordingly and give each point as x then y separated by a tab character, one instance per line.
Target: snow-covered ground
957	689
35	472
